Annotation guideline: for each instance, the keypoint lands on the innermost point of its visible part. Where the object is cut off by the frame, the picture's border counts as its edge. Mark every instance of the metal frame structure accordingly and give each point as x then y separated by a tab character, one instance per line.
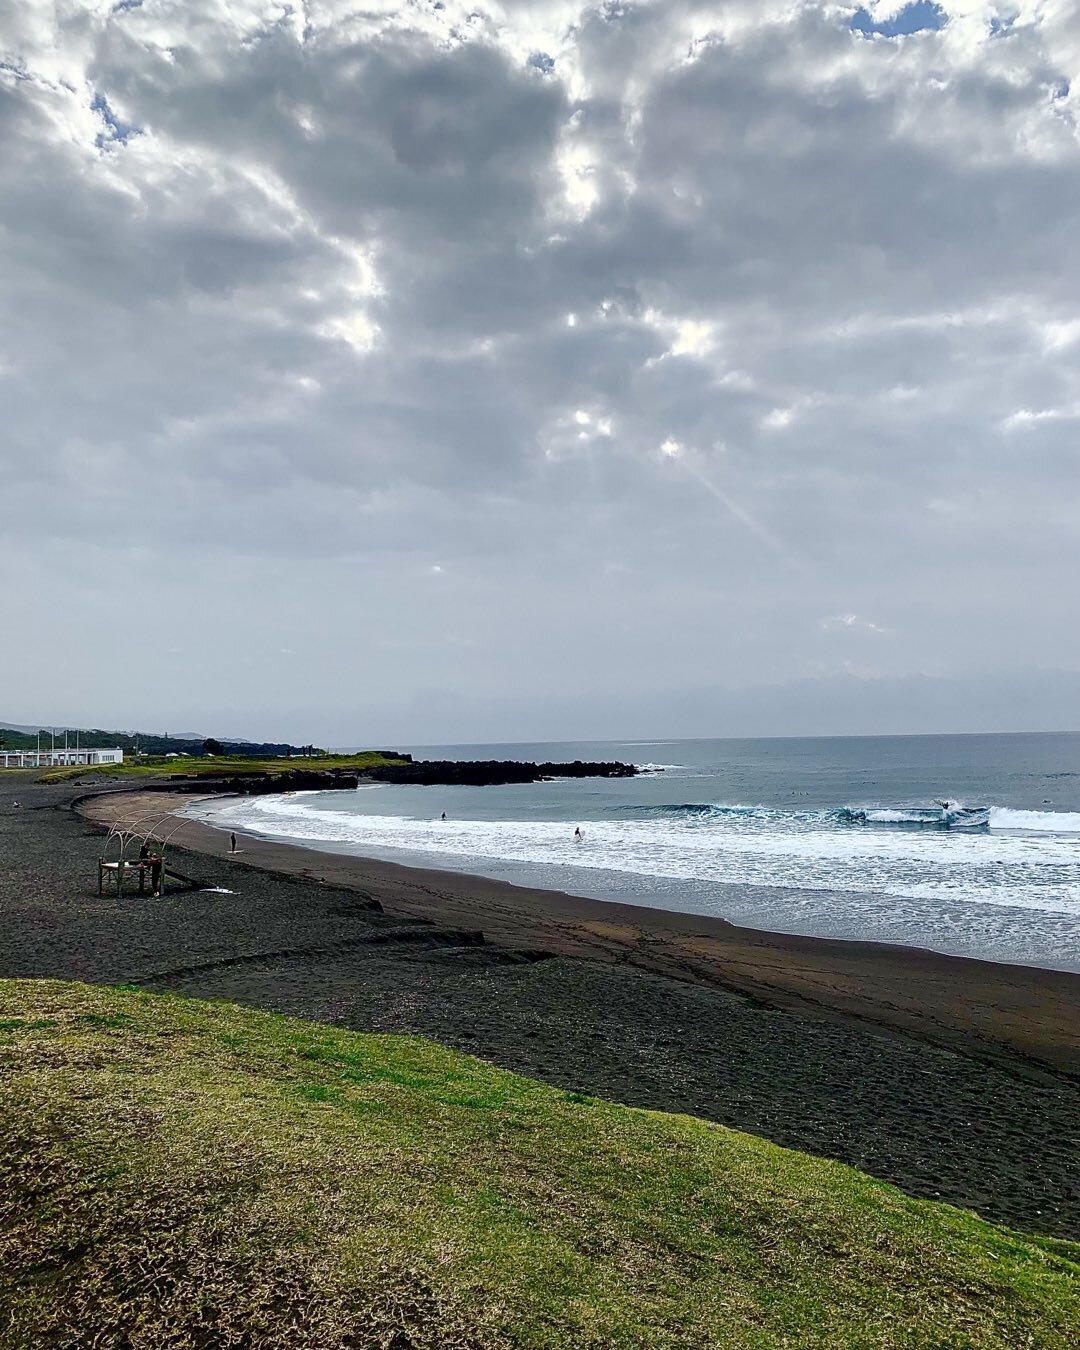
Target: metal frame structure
129	832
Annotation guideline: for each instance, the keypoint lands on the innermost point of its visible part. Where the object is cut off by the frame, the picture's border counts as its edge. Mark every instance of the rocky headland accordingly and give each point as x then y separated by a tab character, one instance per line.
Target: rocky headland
489	772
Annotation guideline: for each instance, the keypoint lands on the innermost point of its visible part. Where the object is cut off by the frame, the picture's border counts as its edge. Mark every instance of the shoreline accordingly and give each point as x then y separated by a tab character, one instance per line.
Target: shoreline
1001	895
1027	1014
419	864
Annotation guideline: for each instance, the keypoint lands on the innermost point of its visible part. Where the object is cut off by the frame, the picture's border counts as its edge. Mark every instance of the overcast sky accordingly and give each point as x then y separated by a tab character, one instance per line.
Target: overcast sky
489	371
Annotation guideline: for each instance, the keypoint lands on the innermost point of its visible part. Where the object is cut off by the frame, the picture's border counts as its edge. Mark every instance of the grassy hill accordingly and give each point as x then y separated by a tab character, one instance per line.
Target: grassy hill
220	766
192	1174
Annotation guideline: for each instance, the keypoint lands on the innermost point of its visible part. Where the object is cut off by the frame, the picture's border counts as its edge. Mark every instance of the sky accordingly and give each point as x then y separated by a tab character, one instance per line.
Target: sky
446	372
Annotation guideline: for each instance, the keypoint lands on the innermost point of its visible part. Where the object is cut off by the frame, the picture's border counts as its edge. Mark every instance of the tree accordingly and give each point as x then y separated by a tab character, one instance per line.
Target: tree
212	747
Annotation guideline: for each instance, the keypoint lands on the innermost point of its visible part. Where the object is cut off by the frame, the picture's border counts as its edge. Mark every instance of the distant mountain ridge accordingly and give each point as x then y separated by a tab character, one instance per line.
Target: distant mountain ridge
32	729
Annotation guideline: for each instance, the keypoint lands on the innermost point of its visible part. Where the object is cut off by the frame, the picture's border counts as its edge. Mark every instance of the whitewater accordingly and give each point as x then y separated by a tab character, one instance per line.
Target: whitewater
836	861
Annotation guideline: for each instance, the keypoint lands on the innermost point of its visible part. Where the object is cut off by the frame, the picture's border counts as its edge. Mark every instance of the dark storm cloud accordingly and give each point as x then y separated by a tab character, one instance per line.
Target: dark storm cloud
636	343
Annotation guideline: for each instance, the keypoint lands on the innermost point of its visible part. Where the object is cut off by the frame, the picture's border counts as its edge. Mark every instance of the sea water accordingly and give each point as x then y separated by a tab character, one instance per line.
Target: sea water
837	837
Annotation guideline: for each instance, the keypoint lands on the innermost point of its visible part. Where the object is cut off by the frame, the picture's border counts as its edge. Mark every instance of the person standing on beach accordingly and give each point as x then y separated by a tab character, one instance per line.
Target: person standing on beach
232	843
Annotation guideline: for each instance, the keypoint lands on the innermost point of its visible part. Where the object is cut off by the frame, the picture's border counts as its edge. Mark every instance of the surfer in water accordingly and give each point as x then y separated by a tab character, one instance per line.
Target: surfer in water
578	836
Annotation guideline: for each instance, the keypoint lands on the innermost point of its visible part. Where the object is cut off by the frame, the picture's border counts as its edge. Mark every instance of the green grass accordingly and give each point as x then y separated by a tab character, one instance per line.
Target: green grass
191	1174
201	766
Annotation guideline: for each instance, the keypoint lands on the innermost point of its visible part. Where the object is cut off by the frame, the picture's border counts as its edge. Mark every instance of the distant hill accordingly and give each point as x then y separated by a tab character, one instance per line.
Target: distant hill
20	736
17	726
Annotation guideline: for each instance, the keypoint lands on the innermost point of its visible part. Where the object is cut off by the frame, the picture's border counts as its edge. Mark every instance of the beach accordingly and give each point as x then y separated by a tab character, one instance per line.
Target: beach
956	1079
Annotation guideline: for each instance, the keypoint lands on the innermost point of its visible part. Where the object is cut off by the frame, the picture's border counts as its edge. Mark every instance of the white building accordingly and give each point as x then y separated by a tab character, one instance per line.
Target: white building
43	759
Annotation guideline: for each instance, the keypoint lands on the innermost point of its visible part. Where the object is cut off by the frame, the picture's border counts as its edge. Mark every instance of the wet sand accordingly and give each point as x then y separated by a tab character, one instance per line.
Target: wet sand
956	1079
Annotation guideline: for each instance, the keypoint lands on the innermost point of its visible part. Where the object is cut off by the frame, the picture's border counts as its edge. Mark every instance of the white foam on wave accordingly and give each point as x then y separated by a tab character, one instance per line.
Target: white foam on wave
887	816
1030	870
1035	822
1001	818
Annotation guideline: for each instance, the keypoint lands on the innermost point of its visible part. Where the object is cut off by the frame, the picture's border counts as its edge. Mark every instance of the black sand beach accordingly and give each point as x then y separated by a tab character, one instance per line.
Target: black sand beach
957	1080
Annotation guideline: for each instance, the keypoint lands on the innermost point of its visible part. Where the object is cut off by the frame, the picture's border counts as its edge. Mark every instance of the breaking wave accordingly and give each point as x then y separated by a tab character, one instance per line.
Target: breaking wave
715	810
935	817
1035	822
995	818
1028	862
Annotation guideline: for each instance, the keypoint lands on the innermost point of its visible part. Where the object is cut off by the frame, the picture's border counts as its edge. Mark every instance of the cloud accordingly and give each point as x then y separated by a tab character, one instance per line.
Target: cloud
839	623
299	297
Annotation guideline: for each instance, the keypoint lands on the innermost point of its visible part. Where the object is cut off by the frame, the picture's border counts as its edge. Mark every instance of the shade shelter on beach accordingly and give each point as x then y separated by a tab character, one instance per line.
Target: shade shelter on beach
150	863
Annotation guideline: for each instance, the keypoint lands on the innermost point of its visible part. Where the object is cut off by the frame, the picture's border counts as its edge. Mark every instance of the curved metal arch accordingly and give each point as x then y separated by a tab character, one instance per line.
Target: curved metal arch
143	829
125	831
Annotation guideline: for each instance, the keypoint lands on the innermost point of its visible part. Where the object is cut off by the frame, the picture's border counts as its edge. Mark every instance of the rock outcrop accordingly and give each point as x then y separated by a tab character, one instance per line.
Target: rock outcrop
487	772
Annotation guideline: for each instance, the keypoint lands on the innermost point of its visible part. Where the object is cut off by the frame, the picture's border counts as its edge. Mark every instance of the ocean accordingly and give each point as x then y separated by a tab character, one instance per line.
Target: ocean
836	837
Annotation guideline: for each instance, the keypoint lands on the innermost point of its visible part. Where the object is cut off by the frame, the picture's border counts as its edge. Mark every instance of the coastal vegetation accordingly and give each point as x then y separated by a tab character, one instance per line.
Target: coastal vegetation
227	766
142	742
247	772
187	1173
